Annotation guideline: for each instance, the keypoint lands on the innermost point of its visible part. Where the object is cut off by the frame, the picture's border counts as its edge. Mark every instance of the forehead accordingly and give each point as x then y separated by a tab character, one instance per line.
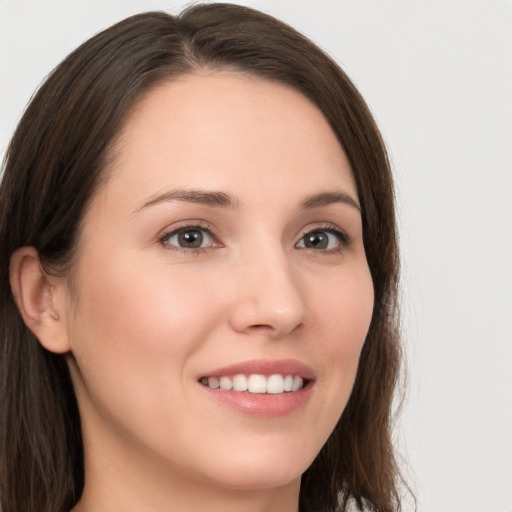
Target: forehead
224	131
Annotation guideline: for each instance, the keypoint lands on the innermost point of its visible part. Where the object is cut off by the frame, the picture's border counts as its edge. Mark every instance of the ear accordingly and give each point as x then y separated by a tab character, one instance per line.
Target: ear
40	299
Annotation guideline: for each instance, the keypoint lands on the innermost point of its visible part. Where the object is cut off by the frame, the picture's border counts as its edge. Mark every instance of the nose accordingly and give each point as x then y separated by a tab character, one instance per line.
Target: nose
269	299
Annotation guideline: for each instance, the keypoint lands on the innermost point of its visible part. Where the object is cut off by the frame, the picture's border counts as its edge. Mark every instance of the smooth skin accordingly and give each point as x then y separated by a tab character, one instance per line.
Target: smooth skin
200	251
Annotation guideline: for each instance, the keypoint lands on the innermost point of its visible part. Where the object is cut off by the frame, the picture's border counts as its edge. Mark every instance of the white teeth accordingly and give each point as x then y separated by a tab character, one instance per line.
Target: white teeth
275	384
297	383
213	382
226	383
240	383
256	383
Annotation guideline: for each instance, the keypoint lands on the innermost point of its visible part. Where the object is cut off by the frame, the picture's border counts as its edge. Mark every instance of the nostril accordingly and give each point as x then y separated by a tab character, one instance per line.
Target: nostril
273	331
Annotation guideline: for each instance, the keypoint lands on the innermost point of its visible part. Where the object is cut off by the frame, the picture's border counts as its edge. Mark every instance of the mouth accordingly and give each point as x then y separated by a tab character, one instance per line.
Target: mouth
256	383
261	387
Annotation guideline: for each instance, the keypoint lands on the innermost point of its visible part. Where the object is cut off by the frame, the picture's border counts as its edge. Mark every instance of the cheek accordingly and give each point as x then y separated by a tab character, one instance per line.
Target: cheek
343	312
132	304
144	322
135	332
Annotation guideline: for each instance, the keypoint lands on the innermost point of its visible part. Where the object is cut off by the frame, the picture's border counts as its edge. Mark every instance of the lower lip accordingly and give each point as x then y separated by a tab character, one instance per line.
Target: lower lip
263	405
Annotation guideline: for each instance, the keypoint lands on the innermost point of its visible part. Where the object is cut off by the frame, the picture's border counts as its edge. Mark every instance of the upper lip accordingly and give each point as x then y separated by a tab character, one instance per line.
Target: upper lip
265	367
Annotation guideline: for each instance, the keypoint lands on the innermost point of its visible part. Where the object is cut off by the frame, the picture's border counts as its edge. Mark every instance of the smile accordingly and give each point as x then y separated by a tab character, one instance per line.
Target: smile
261	388
256	383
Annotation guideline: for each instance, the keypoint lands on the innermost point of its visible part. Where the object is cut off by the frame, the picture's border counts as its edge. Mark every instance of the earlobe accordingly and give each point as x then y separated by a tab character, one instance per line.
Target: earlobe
38	300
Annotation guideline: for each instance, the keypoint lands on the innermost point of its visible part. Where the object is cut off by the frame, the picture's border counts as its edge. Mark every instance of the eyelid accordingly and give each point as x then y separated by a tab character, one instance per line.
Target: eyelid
201	225
193	225
328	227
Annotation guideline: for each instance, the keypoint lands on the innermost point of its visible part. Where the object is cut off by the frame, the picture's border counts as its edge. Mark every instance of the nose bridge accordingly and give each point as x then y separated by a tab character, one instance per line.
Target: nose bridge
269	292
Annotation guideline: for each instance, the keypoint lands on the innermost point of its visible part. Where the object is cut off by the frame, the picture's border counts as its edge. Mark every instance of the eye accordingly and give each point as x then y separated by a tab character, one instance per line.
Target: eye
326	239
189	237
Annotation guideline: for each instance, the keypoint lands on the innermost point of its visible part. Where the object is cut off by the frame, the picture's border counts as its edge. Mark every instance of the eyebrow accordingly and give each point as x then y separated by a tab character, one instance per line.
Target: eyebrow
224	200
327	198
197	196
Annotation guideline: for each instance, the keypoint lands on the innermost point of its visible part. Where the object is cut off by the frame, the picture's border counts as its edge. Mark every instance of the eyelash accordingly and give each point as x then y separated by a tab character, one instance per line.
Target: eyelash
342	238
198	226
202	227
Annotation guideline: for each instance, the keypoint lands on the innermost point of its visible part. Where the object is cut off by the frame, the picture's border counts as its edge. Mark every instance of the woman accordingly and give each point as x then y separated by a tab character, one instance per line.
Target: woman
199	271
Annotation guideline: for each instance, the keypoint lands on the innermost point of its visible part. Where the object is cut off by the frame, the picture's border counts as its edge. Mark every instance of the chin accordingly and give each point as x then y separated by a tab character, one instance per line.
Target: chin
253	478
262	468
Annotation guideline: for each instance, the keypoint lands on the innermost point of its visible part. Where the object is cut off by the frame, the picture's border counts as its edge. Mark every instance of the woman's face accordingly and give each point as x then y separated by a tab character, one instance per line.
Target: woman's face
226	241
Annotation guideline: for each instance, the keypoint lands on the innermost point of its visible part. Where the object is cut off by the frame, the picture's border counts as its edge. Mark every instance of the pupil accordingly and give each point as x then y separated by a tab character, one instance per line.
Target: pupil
191	239
317	240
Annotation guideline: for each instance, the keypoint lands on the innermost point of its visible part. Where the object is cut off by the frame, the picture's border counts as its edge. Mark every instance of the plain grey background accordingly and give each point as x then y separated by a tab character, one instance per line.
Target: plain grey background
438	76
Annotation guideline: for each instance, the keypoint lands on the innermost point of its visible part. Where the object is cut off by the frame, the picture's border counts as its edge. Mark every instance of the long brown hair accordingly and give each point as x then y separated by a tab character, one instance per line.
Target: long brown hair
57	159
